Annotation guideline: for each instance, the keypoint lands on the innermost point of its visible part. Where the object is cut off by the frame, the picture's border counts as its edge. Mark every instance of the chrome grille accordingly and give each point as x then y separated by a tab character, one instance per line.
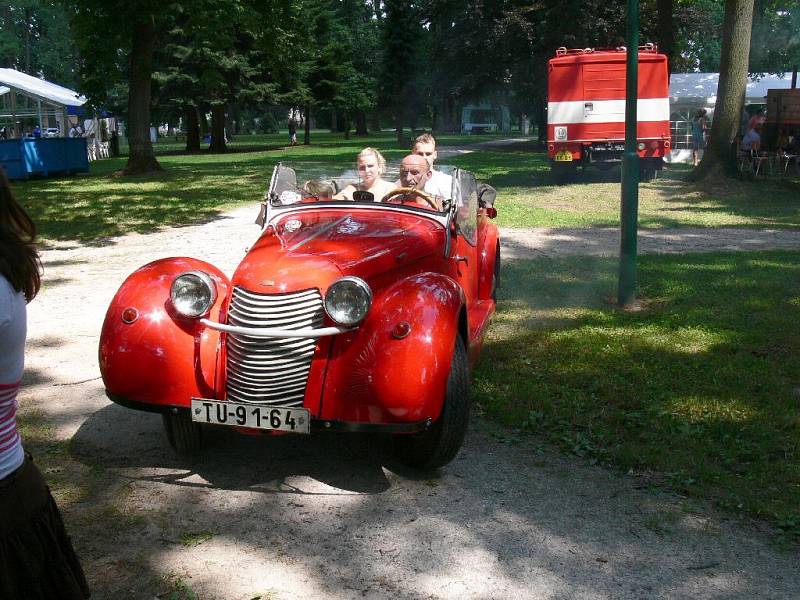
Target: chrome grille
271	371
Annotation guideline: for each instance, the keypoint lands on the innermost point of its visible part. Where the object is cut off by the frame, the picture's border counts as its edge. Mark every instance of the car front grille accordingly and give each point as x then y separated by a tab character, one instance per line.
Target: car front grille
271	371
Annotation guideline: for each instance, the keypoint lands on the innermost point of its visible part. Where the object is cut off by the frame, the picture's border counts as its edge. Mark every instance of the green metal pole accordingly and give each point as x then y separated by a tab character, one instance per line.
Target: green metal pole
629	208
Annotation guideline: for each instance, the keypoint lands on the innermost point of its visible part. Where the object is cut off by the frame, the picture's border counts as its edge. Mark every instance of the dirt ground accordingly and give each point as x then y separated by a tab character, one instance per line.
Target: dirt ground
334	516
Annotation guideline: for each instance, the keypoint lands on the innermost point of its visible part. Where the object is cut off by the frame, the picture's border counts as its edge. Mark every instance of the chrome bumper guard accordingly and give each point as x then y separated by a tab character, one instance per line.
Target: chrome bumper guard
267	332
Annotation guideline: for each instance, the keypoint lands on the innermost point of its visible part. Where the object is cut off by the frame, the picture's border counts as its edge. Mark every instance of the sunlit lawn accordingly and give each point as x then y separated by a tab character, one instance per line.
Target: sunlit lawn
196	187
702	386
529	198
191	187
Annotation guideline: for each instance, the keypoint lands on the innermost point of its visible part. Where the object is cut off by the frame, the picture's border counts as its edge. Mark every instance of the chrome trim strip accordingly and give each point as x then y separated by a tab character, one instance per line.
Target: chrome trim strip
268	332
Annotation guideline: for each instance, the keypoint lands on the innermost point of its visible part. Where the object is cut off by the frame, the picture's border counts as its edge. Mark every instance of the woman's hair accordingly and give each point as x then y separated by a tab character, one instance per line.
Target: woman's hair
378	158
19	259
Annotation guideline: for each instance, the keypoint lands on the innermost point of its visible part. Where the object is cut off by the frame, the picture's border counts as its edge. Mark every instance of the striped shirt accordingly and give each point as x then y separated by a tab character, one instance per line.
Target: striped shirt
12	351
11	454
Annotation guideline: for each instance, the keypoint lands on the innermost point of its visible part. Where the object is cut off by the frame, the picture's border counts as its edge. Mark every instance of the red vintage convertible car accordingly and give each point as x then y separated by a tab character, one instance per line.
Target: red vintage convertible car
360	315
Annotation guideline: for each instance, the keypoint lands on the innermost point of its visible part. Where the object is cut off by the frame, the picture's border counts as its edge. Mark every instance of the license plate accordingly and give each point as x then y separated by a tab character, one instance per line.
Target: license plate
236	414
564	156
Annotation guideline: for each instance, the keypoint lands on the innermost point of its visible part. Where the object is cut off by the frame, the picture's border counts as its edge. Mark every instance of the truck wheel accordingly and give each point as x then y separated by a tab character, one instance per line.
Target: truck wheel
564	173
185	436
439	445
647	170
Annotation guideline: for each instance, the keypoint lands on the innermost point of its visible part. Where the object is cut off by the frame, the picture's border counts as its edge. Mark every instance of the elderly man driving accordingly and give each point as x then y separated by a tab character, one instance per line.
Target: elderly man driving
414	173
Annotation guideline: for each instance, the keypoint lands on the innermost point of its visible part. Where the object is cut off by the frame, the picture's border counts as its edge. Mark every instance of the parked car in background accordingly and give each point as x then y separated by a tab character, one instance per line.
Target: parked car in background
347	316
50	132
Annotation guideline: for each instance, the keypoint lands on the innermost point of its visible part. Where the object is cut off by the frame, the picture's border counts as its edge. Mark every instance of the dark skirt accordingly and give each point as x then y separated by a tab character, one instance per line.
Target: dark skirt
37	561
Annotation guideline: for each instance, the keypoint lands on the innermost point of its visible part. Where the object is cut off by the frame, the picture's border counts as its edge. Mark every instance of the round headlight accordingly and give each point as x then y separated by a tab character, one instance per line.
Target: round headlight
193	293
348	300
641	146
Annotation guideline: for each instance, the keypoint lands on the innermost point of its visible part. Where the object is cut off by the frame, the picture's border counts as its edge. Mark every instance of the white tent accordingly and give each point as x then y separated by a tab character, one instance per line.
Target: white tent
698	90
39	88
691	91
40	99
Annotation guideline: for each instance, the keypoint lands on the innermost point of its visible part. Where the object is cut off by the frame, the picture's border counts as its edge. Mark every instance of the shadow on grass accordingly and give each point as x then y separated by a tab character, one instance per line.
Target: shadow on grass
701	386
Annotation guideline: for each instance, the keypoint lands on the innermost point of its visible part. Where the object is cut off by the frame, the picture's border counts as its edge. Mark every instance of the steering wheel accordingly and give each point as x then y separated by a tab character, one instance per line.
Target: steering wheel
409	191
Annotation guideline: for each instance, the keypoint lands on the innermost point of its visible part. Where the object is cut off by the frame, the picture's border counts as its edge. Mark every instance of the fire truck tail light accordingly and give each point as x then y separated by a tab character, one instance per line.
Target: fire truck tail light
551	147
640	146
654	145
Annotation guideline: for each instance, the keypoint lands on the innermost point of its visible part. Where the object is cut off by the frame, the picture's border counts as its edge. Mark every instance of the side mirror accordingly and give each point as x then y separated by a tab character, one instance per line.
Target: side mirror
486	195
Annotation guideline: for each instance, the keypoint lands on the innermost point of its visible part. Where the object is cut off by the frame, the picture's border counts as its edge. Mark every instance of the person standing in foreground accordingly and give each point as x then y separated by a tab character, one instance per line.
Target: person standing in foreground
439	184
36	556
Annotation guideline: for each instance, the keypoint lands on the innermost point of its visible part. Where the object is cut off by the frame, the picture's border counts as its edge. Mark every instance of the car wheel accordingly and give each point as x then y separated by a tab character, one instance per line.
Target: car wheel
185	436
441	442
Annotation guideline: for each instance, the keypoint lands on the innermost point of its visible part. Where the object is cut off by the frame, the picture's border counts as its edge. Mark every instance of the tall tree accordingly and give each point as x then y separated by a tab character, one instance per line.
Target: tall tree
35	37
720	157
116	38
401	65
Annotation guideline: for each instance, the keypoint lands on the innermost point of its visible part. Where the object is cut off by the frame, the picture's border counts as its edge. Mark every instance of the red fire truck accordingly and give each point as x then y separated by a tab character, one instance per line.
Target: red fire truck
586	110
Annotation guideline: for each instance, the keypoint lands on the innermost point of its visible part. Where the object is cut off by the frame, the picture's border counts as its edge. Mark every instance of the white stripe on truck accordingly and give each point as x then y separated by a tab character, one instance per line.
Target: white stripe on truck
605	111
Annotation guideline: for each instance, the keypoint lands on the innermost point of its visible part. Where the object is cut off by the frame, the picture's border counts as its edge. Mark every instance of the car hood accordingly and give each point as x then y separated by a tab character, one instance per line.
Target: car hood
326	244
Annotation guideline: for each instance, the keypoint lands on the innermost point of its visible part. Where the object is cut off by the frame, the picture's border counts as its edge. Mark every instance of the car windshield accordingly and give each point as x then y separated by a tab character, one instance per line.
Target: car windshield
310	182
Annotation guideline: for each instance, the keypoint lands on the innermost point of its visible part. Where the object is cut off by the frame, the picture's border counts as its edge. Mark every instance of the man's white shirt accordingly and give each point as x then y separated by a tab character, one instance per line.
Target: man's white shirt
440	184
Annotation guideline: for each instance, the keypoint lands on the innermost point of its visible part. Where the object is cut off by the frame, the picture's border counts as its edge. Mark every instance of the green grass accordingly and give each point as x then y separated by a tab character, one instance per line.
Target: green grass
702	386
527	196
191	188
196	187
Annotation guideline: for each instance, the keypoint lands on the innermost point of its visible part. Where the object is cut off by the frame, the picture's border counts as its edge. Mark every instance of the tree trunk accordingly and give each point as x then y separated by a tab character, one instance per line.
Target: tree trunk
720	156
361	123
307	127
666	30
217	128
334	121
141	158
192	130
375	118
398	123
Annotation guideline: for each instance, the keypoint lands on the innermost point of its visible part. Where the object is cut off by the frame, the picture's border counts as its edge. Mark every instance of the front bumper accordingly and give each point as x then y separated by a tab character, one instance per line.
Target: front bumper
317	425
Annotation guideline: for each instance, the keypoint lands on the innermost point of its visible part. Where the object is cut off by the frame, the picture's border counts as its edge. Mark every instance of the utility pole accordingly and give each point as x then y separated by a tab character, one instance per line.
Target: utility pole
629	206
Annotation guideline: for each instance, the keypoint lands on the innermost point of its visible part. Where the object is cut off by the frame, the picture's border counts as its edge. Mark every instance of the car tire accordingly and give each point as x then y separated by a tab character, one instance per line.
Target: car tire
185	436
439	445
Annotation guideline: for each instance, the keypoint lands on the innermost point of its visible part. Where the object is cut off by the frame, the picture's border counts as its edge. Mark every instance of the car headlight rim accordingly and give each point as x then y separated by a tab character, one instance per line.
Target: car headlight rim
348	300
193	293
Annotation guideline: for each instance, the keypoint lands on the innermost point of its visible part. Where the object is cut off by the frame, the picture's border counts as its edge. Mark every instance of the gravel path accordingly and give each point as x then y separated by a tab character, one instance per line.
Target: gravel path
604	241
333	516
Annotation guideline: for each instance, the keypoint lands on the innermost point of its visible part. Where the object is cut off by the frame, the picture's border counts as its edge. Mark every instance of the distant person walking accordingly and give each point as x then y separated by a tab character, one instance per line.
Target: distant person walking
292	132
699	127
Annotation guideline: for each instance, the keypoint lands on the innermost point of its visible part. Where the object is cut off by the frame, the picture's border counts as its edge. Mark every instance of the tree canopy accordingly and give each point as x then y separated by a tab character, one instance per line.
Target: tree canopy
408	63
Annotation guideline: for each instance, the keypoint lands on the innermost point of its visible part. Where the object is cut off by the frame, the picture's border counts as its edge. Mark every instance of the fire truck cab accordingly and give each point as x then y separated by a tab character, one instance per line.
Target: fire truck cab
586	110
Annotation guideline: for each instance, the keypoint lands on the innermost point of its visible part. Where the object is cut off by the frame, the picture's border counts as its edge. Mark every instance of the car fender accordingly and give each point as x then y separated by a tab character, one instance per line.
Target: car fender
383	373
489	253
161	358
